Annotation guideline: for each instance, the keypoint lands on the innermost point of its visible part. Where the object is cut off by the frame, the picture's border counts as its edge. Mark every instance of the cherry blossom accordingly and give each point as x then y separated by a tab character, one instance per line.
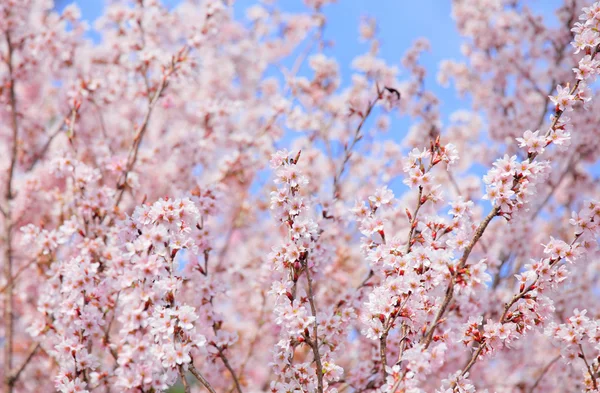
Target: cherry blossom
214	202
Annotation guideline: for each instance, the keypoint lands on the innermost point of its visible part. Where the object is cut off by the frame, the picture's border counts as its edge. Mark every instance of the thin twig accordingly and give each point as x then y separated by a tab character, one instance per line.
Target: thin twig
453	182
137	141
544	371
497	277
53	134
505	315
589	369
567	170
16	275
483	226
112	351
382	352
413	223
461	264
231	371
366	280
102	126
254	340
348	148
14	376
201	378
8	224
315	340
184	382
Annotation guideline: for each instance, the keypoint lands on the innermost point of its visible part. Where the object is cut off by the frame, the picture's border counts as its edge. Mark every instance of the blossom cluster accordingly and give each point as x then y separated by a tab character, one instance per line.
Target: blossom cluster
297	262
215	203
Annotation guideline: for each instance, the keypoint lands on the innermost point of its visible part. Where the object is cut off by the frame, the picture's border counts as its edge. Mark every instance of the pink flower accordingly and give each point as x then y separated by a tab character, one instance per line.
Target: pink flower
533	141
563	100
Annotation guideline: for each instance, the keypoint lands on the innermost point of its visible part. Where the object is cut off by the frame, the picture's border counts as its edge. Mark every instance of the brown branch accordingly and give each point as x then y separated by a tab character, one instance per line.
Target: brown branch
231	371
112	351
314	342
201	378
483	226
559	112
384	336
8	251
366	280
102	126
184	382
224	359
405	330
567	170
234	226
473	359
543	373
382	352
558	59
413	223
14	376
546	102
589	369
497	277
53	134
525	74
137	141
453	182
503	319
461	264
17	274
254	341
348	149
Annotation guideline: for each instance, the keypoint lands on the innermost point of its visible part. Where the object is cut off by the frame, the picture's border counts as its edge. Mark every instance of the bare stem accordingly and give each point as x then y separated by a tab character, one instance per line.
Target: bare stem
506	317
56	129
453	182
571	163
315	338
8	224
137	141
348	148
14	376
184	382
231	371
473	358
382	352
589	369
201	378
461	264
16	275
366	280
413	223
544	371
254	340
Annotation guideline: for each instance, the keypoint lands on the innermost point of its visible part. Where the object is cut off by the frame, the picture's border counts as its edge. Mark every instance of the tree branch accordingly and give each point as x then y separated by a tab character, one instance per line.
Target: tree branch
315	340
589	369
200	378
137	141
544	371
228	366
184	382
348	149
14	376
461	264
8	252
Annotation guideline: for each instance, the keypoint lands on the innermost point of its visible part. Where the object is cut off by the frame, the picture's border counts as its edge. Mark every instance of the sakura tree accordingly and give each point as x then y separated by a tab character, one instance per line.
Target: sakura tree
179	208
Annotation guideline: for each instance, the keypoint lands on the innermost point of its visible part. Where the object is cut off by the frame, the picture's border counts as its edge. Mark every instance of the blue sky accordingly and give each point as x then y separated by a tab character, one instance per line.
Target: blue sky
400	22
